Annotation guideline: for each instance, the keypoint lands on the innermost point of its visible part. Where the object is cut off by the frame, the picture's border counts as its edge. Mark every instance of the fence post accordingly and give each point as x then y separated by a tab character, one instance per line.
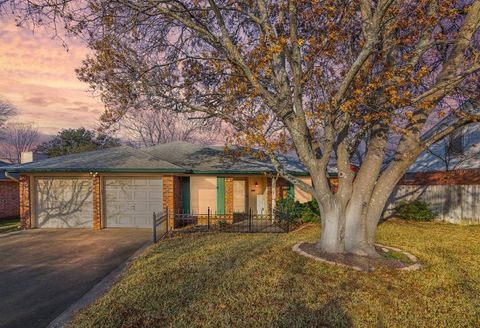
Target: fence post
250	220
154	228
208	219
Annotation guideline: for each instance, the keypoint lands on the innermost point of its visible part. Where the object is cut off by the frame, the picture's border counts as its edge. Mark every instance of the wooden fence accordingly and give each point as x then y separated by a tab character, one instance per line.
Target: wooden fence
452	203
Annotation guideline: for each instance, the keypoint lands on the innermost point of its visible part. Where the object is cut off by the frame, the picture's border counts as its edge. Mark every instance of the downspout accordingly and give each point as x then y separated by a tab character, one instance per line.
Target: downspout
7	174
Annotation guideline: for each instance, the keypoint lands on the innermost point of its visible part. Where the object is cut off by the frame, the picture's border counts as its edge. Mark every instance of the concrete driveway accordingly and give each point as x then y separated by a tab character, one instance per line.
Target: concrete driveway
44	271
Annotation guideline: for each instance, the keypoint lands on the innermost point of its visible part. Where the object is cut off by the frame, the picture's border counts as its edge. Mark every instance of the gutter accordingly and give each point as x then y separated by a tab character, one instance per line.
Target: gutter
7	174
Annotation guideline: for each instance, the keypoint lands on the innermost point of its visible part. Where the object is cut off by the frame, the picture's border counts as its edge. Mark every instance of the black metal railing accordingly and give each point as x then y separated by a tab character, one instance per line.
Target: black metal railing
277	222
160	225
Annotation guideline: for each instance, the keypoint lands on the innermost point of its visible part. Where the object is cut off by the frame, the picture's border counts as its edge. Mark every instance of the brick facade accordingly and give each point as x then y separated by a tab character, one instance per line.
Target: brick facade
456	177
172	197
97	201
9	199
25	210
228	195
269	195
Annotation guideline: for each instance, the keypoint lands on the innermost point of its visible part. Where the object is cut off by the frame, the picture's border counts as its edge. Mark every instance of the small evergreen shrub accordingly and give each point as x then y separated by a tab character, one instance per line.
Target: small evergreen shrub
416	210
300	212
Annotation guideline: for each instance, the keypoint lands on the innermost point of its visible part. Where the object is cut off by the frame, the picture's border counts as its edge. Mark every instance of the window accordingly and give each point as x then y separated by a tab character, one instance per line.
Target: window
455	143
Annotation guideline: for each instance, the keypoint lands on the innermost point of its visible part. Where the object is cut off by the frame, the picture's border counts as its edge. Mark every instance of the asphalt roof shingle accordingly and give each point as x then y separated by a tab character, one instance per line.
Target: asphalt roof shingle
119	159
174	157
213	159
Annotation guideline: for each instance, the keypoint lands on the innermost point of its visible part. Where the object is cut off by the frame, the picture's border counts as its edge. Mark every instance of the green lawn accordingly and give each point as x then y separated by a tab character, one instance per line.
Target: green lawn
9	225
255	280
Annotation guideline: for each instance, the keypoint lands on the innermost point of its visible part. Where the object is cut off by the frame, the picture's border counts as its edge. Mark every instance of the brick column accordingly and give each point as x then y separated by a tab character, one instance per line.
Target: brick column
25	212
97	203
171	196
269	195
228	195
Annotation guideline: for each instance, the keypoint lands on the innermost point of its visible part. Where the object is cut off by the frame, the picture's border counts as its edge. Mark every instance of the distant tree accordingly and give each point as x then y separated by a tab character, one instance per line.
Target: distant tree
7	110
17	138
71	141
145	128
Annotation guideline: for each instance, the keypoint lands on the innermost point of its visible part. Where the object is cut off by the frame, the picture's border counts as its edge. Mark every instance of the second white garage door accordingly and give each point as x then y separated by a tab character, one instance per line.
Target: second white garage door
130	202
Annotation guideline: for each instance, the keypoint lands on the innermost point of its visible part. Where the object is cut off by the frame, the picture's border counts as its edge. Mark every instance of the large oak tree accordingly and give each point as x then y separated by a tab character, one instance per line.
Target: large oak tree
338	81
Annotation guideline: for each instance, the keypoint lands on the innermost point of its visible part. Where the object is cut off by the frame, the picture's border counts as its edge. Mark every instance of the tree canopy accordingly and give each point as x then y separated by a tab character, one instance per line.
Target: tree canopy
342	82
71	141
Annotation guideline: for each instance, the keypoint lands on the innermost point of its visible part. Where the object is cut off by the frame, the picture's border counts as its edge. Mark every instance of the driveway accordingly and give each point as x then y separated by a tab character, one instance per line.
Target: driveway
44	271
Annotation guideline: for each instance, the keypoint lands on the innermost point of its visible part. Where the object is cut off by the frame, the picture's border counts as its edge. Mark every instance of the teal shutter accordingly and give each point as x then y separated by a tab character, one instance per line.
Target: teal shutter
290	191
220	195
186	194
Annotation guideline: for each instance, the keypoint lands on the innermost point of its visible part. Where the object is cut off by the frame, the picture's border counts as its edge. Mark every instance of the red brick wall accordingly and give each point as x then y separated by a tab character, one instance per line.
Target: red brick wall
228	195
9	199
24	192
97	208
172	198
269	195
457	177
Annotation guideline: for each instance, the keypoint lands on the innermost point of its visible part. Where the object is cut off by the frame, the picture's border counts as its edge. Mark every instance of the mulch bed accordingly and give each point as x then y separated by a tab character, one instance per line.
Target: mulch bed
357	262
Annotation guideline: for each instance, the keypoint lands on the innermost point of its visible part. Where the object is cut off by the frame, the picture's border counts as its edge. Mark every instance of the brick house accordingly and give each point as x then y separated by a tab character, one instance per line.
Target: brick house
123	186
446	176
9	196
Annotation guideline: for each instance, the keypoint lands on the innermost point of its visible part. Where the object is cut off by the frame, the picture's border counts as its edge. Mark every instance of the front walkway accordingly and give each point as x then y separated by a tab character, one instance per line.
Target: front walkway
44	271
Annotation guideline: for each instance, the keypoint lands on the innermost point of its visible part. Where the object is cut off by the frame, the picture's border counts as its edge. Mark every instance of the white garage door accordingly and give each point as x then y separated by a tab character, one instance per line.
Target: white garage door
130	202
63	203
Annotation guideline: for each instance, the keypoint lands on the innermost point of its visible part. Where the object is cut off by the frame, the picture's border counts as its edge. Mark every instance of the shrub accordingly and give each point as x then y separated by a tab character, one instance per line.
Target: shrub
300	212
415	210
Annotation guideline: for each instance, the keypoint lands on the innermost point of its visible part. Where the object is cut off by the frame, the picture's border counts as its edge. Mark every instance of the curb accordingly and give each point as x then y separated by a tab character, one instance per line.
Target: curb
6	234
96	291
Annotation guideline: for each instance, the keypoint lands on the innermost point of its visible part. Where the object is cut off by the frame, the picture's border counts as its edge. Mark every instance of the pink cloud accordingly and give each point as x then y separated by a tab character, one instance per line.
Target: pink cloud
37	75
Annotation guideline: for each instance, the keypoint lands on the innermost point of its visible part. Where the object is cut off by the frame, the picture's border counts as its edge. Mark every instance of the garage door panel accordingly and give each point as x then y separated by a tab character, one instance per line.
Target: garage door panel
156	196
63	203
132	204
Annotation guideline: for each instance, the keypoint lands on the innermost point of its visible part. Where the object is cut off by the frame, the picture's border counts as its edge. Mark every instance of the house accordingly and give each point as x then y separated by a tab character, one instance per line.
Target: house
123	186
446	176
9	195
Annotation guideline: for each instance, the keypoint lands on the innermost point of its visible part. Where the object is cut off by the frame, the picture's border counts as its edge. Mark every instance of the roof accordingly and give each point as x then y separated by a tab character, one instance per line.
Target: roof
174	157
213	159
3	166
435	158
123	159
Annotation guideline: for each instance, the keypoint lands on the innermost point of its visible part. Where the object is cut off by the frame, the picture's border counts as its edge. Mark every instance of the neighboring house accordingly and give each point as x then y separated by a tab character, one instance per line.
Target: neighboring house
9	195
123	186
447	176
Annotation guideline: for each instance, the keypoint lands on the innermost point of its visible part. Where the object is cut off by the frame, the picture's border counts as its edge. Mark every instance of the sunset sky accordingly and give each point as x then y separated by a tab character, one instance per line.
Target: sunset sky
37	75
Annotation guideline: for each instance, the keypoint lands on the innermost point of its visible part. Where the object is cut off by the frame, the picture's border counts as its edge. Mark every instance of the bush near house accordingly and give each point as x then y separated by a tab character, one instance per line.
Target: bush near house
300	212
415	210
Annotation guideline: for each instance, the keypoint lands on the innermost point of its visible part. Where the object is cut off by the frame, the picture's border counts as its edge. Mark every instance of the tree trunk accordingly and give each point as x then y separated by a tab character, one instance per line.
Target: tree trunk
333	228
356	229
349	227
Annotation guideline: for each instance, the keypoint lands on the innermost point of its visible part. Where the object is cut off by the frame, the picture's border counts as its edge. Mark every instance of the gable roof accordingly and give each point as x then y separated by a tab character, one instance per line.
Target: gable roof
123	159
213	160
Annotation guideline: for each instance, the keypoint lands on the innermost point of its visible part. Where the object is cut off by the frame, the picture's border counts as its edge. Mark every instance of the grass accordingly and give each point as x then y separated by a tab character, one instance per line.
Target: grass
9	225
398	256
255	280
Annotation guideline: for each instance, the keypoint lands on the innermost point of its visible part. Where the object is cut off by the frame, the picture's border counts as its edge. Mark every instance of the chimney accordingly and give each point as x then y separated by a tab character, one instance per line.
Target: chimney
30	156
26	157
